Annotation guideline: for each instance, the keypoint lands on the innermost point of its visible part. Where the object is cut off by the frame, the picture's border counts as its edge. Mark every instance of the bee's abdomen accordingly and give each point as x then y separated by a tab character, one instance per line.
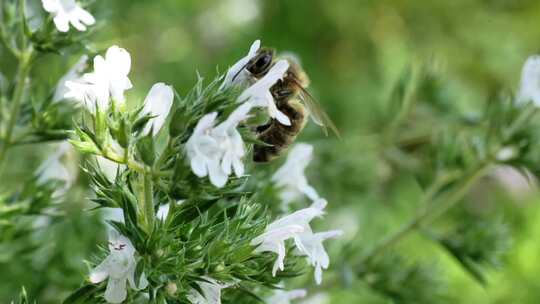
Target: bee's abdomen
279	136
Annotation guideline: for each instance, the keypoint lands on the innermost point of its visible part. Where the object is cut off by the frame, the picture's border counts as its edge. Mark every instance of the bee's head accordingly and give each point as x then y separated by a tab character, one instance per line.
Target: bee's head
259	65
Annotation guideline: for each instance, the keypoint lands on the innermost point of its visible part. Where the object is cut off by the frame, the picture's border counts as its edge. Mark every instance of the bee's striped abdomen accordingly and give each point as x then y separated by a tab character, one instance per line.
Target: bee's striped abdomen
280	136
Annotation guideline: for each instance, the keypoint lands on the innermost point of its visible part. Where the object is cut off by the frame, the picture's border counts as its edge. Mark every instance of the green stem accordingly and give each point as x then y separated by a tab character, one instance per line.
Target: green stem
430	211
148	201
18	94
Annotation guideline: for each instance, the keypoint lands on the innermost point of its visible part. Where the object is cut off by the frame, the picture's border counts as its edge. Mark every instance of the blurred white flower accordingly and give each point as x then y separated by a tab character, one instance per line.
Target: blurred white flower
72	74
53	169
119	266
108	167
163	211
217	151
112	214
530	81
238	69
296	225
158	104
285	296
290	176
506	154
211	290
65	12
520	184
109	79
258	95
319	298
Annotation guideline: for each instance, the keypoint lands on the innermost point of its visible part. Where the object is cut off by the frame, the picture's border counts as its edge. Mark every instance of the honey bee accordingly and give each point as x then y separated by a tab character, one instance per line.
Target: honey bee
292	99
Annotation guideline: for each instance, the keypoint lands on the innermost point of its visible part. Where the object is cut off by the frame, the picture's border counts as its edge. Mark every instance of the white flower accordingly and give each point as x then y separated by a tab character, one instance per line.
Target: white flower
230	141
285	296
290	176
158	104
204	152
275	235
112	214
119	267
238	69
530	81
66	12
310	244
296	225
53	169
72	74
217	151
258	95
109	79
163	211
211	292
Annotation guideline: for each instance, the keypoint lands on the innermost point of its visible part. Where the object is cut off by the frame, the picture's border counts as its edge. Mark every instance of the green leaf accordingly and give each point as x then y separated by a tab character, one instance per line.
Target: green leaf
82	295
146	149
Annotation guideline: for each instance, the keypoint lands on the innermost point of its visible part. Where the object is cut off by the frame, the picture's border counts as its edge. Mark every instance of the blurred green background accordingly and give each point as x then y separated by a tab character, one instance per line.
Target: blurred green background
353	51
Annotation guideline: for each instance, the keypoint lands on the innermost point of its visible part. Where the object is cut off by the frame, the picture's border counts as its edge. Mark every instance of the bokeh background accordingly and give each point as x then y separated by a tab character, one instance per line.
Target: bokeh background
354	51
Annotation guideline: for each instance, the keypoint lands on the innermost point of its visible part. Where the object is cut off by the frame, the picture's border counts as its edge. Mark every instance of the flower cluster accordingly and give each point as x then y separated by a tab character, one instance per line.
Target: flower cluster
217	151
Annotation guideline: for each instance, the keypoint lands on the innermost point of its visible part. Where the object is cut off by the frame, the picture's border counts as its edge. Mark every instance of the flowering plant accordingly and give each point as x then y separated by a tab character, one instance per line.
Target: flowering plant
190	217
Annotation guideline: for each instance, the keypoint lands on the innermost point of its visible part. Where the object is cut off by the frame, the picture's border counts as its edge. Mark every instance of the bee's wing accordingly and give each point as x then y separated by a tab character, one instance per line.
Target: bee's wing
316	112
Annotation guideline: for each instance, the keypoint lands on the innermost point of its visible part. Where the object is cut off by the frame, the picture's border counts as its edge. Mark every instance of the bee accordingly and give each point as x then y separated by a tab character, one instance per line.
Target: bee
292	98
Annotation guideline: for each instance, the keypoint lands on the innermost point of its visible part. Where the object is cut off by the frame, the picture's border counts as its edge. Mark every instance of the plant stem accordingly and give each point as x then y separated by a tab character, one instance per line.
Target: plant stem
148	200
18	94
431	210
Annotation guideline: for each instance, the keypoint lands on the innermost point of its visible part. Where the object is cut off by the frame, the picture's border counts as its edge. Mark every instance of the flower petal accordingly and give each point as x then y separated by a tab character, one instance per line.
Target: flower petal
116	290
61	21
100	272
158	103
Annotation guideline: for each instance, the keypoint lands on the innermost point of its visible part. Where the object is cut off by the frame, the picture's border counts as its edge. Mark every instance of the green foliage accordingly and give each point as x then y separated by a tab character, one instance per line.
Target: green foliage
421	92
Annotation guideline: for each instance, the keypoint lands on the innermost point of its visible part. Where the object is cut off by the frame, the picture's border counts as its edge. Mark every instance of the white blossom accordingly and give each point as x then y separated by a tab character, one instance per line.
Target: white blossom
108	80
238	69
258	95
158	104
287	227
217	151
73	73
530	81
204	152
290	176
308	243
65	12
119	266
285	296
53	169
211	290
